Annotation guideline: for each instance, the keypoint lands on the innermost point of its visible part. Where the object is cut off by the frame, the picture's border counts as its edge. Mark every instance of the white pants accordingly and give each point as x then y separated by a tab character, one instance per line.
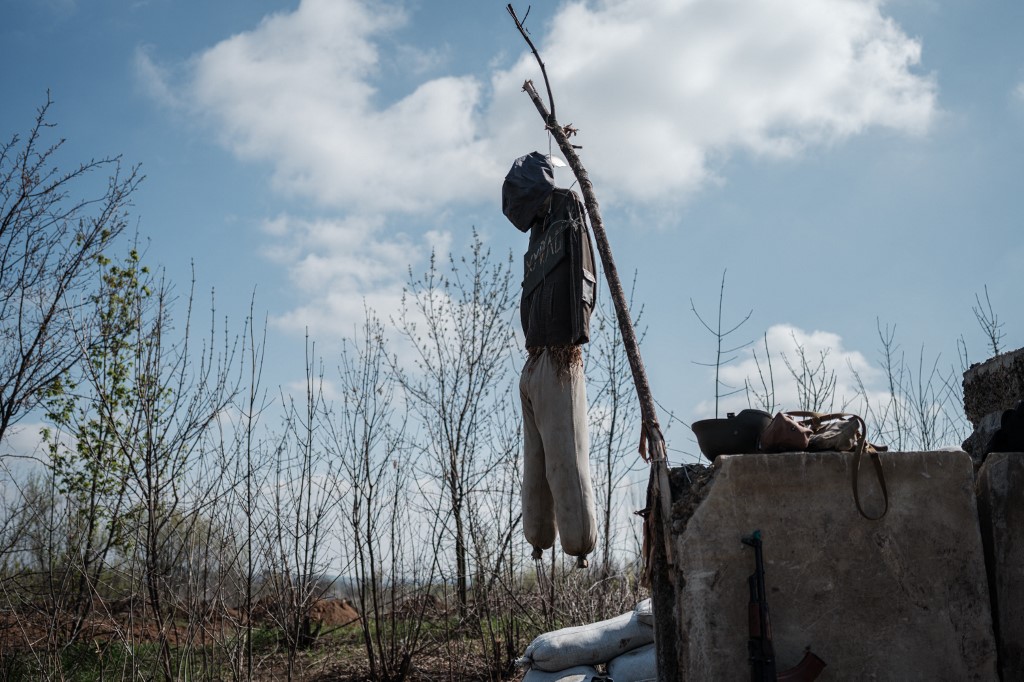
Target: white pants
556	463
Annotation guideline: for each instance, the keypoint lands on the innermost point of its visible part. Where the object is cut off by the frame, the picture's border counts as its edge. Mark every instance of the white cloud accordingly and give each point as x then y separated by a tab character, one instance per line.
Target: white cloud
298	389
802	364
154	79
662	90
419	61
26	441
661	87
298	91
341	267
1018	92
658	87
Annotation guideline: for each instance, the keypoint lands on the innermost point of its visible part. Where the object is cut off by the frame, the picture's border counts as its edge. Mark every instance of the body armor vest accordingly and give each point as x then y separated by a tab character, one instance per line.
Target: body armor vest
559	282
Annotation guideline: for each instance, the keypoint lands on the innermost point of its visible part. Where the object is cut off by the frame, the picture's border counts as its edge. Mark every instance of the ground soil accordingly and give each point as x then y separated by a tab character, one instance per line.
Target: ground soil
35	626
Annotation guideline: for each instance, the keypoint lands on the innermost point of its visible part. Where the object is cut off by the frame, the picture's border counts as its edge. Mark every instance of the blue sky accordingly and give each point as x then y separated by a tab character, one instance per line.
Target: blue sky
843	160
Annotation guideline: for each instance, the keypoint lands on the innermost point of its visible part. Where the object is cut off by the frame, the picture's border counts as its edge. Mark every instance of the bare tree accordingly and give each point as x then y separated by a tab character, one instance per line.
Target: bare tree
989	322
613	415
890	419
723	355
52	233
763	397
366	437
924	404
300	514
255	402
135	415
815	381
499	552
177	393
457	326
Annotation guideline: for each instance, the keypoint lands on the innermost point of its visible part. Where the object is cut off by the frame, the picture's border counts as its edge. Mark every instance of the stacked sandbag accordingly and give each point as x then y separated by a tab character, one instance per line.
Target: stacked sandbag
645	612
577	673
638	665
588	645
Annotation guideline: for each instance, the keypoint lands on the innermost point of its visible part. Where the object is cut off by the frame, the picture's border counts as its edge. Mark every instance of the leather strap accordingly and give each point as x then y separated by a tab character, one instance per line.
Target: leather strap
879	473
816	419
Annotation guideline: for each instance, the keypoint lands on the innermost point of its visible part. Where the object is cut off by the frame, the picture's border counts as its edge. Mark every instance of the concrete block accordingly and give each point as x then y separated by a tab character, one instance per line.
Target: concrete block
977	443
994	385
1001	509
901	598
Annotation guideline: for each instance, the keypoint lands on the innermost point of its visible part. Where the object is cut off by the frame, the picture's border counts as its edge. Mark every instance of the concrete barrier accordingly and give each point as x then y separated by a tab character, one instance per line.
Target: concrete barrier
901	598
994	385
1001	510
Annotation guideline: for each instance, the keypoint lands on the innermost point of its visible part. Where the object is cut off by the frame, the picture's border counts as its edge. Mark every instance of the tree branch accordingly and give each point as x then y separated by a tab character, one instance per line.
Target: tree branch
526	37
652	442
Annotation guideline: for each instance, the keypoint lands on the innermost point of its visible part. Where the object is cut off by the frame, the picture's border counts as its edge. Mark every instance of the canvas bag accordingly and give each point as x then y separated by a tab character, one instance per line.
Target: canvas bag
784	434
800	431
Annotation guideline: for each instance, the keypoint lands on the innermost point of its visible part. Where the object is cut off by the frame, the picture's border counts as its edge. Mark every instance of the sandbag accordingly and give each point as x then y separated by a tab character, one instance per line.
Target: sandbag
579	673
645	612
587	644
638	665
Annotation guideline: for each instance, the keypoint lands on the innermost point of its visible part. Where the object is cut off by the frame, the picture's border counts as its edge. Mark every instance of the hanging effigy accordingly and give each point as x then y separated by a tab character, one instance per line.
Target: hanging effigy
559	289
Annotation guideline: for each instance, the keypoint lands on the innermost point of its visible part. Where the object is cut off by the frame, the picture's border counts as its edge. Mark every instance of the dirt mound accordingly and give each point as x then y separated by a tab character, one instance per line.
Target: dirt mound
329	612
334	613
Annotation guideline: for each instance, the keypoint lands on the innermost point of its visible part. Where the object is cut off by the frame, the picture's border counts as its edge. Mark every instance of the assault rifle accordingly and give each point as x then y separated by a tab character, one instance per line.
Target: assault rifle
760	650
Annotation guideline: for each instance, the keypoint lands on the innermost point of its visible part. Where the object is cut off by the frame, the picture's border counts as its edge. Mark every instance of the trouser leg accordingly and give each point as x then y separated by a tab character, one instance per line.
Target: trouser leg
559	406
538	505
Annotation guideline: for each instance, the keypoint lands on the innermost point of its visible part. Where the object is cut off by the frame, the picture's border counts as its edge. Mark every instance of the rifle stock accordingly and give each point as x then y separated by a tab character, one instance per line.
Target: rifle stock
760	649
809	667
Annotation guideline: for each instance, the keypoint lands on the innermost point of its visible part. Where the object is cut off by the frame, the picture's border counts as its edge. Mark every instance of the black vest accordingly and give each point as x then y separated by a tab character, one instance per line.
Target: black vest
559	281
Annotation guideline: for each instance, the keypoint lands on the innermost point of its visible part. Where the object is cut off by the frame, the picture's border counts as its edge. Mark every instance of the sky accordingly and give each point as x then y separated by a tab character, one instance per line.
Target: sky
842	163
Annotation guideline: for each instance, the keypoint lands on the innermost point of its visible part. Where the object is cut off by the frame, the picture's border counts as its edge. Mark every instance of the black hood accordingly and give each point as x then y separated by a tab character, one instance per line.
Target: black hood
527	186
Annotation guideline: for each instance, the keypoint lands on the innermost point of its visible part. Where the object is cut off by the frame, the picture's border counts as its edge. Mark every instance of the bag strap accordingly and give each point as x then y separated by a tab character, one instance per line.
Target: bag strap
879	472
817	418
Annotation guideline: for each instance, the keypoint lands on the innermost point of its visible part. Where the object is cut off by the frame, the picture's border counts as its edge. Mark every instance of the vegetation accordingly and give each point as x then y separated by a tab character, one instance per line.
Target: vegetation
174	531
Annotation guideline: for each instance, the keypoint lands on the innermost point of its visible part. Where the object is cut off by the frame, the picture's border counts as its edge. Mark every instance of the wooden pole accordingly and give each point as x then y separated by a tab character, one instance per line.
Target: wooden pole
659	496
658	517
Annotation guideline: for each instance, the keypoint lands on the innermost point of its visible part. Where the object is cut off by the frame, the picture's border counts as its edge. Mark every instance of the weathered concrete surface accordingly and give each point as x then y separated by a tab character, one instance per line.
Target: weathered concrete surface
1001	509
994	385
977	443
902	598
